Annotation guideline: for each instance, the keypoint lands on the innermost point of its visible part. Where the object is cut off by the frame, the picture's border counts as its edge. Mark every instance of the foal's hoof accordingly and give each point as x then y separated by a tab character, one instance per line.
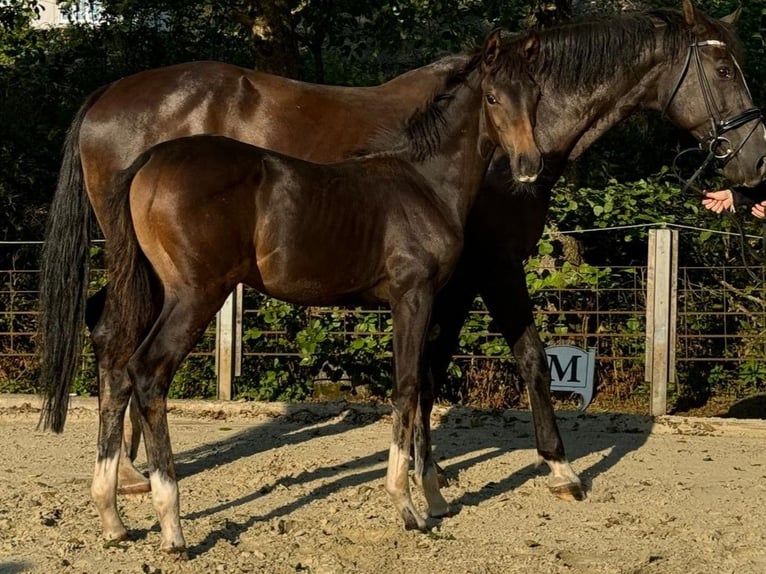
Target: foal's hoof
141	487
572	491
413	521
131	481
441	477
440	511
177	553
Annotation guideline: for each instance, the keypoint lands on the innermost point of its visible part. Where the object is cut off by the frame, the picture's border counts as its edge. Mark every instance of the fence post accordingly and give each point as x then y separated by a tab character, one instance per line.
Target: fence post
661	307
228	343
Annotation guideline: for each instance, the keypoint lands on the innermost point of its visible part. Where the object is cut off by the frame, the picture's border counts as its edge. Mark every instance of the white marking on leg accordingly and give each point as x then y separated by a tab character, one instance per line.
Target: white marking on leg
167	505
398	487
437	505
562	474
103	490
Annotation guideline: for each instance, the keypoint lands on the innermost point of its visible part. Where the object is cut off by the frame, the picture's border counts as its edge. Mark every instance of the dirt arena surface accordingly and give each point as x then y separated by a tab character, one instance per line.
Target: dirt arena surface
299	488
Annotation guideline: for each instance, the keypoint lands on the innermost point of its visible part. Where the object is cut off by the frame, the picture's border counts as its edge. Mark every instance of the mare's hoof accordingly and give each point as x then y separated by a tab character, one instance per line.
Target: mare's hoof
141	487
572	491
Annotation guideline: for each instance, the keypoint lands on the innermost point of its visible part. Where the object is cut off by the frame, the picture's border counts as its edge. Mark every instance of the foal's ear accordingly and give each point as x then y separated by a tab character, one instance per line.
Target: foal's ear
732	18
690	15
491	50
531	47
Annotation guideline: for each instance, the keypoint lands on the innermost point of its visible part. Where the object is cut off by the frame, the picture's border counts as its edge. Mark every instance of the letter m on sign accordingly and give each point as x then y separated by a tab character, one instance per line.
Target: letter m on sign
572	370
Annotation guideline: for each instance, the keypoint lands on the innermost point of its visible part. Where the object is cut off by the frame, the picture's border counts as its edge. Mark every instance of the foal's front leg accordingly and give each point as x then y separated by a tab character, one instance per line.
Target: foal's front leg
425	467
410	313
450	309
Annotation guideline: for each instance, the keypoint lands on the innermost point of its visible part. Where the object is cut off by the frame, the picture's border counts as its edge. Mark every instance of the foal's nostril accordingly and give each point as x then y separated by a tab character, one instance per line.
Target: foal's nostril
528	167
530	164
761	166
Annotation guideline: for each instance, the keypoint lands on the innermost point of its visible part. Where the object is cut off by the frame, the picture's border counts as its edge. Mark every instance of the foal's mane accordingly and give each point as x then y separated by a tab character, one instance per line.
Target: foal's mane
582	55
420	135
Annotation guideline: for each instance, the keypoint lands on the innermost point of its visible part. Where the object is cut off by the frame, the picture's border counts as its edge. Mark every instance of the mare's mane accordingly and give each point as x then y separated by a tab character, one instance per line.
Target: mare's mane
581	55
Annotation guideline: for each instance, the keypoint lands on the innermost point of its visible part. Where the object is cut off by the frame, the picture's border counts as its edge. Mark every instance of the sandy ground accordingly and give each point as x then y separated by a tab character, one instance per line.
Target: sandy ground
299	488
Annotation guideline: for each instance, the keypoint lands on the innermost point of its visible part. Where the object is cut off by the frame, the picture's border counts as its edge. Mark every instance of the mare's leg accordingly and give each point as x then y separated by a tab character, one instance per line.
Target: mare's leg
505	293
410	313
112	349
129	480
151	368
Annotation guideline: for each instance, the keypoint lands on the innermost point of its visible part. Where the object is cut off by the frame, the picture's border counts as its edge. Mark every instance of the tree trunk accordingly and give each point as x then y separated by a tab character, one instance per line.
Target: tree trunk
546	13
273	29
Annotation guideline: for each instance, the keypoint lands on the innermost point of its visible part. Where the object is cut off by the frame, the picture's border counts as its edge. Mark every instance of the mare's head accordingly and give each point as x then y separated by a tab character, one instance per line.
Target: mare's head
705	92
510	101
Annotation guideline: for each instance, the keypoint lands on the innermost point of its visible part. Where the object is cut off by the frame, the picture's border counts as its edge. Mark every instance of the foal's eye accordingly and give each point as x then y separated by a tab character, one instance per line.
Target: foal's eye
491	99
724	72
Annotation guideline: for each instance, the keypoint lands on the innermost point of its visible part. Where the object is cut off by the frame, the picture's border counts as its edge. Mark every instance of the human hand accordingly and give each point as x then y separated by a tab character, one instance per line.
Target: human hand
720	201
759	210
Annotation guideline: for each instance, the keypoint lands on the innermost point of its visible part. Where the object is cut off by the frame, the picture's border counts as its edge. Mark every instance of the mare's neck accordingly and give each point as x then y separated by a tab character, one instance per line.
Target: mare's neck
568	122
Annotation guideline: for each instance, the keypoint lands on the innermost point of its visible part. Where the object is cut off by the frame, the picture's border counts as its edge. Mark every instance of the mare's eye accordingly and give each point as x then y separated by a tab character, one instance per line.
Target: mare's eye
491	99
724	72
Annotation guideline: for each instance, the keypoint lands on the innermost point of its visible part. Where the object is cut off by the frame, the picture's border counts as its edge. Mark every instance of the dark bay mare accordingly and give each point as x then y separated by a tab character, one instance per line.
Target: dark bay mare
193	217
592	75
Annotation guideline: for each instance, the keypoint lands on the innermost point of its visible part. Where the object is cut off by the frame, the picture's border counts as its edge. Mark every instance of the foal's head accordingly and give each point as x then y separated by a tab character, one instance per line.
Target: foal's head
510	101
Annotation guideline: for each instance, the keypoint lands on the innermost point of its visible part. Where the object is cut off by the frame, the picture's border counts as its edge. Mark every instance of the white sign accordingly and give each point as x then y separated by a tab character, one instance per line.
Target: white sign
572	370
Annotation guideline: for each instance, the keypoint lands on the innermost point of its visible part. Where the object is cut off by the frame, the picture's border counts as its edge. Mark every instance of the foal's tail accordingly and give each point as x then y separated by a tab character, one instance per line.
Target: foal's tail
133	294
64	279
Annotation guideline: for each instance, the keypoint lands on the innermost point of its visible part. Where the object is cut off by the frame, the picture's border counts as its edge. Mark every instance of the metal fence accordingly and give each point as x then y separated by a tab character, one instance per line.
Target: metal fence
720	334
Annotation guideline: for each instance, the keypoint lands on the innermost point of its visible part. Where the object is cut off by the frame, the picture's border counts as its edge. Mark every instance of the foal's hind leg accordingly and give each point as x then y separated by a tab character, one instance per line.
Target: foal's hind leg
508	302
410	317
112	350
129	479
151	368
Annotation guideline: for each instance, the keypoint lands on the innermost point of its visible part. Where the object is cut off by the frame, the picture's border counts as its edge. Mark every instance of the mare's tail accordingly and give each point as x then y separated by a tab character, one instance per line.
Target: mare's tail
64	280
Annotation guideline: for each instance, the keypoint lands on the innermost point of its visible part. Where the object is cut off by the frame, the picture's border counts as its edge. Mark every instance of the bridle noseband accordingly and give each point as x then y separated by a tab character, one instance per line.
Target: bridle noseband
715	141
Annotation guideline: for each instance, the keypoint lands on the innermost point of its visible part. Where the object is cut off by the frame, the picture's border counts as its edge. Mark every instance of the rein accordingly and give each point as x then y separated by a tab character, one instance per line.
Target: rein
717	146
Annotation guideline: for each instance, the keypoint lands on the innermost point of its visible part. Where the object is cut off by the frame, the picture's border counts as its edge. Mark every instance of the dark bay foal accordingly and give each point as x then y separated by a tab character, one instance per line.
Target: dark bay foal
195	216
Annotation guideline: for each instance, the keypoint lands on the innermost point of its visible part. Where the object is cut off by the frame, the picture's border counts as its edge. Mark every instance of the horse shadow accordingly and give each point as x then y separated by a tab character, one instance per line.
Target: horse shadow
749	408
14	567
461	442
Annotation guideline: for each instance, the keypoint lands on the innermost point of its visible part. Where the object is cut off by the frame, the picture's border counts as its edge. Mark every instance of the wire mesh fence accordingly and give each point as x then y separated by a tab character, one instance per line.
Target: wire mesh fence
721	338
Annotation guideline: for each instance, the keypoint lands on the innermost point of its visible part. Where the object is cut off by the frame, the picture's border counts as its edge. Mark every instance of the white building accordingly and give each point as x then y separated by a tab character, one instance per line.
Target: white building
51	15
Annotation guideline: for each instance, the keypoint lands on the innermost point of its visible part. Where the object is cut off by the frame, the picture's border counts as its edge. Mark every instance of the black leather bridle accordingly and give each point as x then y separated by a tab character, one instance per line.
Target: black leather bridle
718	146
